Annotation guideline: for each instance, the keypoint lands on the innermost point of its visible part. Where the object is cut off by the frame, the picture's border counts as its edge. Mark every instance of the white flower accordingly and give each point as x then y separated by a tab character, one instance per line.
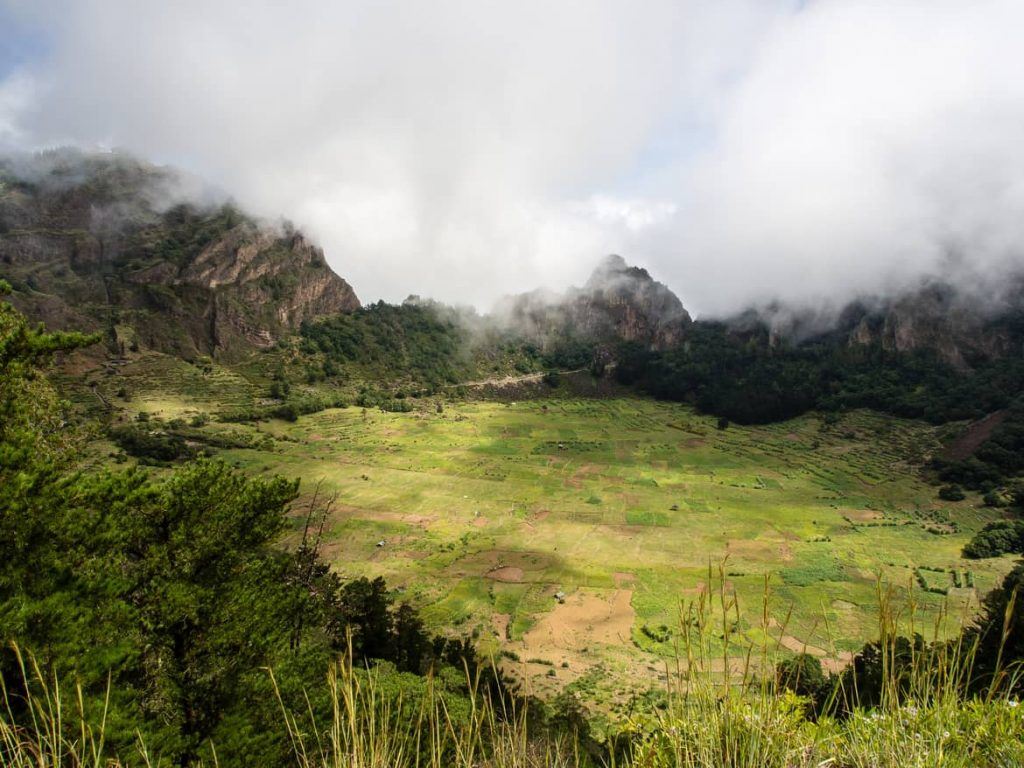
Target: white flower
945	734
1013	703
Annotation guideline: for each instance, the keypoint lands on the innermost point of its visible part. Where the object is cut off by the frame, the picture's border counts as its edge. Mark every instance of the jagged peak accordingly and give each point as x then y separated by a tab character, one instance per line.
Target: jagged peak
197	274
615	268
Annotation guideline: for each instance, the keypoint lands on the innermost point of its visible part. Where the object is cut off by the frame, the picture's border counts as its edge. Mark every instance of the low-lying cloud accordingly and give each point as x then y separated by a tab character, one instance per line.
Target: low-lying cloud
741	150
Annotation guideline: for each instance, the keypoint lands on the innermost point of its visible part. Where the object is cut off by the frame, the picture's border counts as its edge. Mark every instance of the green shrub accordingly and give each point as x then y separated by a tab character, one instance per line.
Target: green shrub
952	493
150	444
552	379
997	538
993	499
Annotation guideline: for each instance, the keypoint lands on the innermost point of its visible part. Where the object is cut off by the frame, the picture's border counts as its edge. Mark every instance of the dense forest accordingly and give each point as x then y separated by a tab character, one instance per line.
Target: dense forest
742	378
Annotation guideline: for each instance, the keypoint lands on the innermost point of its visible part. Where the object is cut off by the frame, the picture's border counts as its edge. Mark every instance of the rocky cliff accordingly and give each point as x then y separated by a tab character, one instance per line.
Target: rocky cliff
111	244
961	330
960	327
617	303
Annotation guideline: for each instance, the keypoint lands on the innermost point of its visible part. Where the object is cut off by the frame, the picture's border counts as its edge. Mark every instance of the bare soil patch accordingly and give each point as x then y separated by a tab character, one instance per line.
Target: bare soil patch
499	623
838	663
862	515
974	435
508	573
756	549
694	591
796	645
586	618
346	511
413	554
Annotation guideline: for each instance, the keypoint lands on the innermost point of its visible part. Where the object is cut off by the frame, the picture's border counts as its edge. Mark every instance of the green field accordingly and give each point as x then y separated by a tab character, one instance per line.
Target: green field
566	532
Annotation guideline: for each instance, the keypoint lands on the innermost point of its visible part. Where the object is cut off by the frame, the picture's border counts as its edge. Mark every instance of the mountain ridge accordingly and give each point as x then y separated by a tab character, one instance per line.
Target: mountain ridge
618	302
109	243
106	243
960	328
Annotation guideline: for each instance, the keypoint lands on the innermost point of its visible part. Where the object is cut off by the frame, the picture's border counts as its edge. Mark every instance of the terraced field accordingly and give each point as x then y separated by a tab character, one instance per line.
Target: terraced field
564	532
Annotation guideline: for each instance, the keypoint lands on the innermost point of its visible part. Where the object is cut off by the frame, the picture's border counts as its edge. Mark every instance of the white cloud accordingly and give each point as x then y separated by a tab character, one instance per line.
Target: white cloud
16	93
866	145
467	148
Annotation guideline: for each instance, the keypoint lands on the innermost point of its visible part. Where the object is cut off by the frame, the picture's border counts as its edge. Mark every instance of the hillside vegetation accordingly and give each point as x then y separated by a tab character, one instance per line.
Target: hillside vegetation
246	521
485	512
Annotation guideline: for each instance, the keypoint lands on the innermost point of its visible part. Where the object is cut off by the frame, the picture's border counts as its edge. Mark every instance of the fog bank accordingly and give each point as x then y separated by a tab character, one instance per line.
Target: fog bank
742	150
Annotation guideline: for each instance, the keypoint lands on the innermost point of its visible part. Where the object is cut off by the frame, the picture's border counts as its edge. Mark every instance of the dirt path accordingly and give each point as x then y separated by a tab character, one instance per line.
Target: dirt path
96	391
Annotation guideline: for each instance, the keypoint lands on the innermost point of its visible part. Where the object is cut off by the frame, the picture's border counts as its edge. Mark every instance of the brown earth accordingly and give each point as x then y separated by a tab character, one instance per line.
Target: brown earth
862	515
499	623
974	435
585	618
509	573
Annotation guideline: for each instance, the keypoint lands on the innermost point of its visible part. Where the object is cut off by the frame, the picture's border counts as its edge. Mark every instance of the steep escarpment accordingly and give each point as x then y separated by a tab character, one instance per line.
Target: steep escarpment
617	303
110	244
960	327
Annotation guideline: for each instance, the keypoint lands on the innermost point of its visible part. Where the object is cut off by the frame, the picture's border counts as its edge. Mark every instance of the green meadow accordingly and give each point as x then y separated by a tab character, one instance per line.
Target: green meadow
563	534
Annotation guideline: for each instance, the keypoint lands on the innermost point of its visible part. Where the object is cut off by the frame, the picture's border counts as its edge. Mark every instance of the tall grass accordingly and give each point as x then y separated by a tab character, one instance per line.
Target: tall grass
370	729
726	710
723	710
42	734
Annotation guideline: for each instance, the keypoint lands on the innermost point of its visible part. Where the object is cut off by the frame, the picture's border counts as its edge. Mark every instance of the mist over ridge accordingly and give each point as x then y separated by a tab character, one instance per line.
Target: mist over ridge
744	153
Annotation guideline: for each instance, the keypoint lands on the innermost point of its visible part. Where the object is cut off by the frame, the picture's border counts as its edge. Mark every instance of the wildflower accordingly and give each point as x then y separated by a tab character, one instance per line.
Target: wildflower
945	734
1013	703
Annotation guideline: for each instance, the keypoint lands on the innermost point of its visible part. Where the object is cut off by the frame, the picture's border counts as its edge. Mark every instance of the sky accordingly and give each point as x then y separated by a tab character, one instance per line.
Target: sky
741	150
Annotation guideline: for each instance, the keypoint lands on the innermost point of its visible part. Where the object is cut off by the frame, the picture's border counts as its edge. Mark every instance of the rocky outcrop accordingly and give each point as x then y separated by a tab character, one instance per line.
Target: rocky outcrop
617	303
960	327
939	319
100	242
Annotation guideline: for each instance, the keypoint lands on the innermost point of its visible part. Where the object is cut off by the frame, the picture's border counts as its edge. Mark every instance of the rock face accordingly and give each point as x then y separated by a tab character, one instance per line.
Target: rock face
961	328
937	318
617	303
104	243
